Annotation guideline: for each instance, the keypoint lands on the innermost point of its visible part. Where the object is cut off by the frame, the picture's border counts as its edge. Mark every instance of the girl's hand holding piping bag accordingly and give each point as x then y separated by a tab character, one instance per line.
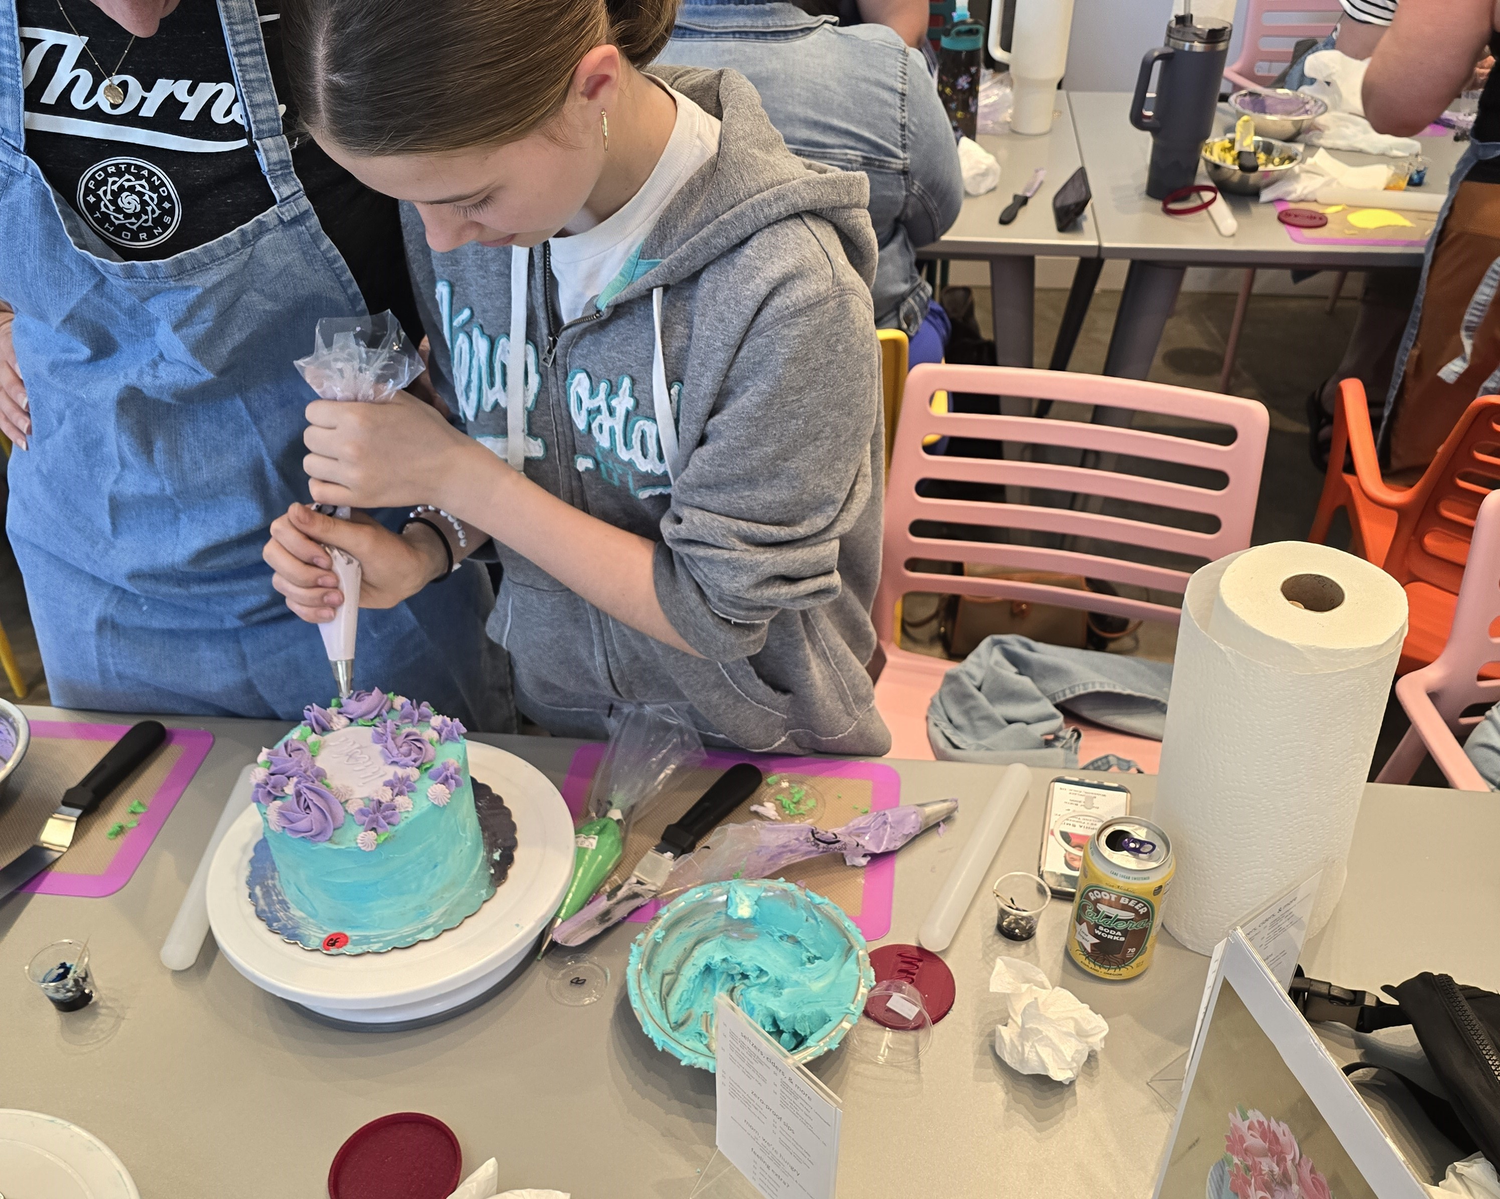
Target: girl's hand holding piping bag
404	453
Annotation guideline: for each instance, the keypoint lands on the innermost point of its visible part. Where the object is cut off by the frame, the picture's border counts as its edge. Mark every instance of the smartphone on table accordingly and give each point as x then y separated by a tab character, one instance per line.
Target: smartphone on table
1075	808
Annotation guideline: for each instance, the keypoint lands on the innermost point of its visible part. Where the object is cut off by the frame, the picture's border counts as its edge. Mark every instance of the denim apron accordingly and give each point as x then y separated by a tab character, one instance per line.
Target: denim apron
167	425
1478	305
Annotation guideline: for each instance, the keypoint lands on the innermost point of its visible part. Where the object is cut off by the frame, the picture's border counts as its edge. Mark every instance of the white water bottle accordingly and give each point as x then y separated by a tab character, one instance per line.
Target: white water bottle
1037	57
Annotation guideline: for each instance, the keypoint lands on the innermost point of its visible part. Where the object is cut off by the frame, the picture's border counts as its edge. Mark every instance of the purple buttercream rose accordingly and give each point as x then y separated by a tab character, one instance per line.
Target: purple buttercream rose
294	759
448	729
378	816
267	786
446	773
323	720
402	746
412	712
366	705
310	811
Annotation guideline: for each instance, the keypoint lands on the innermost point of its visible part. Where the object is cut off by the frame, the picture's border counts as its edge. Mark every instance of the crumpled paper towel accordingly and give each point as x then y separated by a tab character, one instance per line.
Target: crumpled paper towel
483	1182
1319	171
981	168
1348	131
1472	1178
1050	1030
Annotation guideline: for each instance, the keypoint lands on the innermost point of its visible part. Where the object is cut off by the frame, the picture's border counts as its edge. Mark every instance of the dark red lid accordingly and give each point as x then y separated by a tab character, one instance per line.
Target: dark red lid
402	1156
920	967
1302	218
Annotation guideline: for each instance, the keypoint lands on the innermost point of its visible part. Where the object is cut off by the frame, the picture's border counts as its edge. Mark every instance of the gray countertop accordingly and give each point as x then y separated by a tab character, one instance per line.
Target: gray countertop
978	233
1129	225
205	1085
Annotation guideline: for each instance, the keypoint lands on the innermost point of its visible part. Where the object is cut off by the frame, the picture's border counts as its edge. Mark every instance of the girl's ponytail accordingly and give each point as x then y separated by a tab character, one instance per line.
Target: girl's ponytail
641	27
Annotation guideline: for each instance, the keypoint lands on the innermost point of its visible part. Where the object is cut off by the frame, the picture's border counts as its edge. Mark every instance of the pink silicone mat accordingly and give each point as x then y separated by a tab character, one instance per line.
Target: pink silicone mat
843	790
1334	233
60	754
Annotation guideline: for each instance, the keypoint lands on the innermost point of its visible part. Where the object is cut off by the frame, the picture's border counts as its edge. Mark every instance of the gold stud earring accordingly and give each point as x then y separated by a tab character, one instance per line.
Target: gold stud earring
604	124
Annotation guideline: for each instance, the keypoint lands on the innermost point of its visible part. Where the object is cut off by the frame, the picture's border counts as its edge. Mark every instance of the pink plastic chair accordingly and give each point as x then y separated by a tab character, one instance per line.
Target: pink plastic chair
1272	28
1436	697
908	680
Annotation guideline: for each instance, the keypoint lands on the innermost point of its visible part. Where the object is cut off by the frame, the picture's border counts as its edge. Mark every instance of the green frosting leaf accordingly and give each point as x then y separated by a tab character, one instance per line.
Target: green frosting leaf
137	807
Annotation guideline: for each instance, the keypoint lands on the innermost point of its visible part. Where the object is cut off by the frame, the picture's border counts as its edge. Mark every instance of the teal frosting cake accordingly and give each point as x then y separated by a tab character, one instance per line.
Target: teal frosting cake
368	813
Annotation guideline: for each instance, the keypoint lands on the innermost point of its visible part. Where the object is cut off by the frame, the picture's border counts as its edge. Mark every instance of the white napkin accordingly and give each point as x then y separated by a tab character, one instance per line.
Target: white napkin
1472	1178
1347	131
482	1183
1337	80
1321	169
981	169
1050	1030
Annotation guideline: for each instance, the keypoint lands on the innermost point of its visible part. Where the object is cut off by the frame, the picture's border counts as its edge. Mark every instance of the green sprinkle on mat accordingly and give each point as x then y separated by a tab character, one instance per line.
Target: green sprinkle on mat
136	808
115	830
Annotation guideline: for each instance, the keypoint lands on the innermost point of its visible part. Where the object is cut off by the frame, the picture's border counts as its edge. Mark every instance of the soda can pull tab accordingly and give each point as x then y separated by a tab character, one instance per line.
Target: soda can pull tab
1138	847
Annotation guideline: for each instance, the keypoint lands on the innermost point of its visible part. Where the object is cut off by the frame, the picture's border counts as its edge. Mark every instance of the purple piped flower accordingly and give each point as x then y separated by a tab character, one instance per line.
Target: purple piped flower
310	811
447	773
378	816
448	729
267	786
366	705
324	720
412	712
403	782
402	746
295	760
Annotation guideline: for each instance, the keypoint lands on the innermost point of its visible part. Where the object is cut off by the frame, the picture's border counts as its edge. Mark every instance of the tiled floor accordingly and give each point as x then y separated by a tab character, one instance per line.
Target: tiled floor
1288	346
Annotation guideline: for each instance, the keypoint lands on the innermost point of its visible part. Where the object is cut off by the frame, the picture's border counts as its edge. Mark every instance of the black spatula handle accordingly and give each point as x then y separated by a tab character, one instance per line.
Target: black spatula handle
116	766
729	790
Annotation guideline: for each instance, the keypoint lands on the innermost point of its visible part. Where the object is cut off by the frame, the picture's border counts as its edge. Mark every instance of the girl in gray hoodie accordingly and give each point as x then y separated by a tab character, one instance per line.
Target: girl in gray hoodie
655	324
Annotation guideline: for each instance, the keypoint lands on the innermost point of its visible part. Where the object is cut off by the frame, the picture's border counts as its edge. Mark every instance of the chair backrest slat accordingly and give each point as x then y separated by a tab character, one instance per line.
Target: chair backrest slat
1085	537
1267	41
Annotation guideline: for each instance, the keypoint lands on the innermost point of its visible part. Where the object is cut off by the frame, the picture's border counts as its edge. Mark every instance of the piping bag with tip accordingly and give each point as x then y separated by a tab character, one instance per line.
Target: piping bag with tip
367	358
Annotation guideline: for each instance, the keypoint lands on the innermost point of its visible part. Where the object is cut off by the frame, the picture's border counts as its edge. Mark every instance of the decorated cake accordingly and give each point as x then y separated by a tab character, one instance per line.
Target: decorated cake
369	816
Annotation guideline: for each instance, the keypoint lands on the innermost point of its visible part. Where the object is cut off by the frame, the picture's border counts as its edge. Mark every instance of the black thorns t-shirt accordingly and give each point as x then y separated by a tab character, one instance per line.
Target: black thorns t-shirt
170	167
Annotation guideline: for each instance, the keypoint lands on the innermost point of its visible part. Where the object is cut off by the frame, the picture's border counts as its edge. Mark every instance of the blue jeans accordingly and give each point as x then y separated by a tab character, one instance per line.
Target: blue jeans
930	341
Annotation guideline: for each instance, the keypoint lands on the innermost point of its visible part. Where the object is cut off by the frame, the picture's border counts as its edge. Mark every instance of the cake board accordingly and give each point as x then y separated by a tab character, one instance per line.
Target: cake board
431	978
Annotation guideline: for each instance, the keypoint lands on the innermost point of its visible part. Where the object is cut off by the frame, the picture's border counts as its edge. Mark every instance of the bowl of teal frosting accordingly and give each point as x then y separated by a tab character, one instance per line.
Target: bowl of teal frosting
790	959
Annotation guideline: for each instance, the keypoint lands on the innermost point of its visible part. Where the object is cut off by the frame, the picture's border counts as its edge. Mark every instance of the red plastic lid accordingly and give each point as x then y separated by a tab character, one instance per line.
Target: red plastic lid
403	1156
920	967
1302	218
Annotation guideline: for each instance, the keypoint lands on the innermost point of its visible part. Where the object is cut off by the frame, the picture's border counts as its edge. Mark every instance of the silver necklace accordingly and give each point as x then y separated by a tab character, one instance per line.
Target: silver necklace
113	92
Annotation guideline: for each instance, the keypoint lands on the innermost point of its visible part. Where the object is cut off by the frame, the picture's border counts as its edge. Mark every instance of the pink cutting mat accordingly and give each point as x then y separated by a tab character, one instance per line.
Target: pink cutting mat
1398	236
875	883
67	752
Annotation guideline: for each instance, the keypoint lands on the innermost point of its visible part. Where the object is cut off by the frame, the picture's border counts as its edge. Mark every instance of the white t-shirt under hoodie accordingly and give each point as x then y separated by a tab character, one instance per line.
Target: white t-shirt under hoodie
600	261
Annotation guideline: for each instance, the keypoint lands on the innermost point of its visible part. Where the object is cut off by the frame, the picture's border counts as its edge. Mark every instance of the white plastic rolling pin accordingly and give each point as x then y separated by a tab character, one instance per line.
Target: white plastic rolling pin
185	938
340	632
974	862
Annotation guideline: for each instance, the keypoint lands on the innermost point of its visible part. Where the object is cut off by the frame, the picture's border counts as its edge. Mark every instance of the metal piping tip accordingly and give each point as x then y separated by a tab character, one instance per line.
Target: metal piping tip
937	811
344	673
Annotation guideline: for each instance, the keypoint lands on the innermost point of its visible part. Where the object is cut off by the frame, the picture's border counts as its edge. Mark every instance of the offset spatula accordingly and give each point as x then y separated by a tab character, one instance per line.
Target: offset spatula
57	835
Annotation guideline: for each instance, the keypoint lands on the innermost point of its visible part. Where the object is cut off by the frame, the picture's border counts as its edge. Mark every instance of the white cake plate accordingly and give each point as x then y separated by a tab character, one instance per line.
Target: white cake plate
46	1155
431	977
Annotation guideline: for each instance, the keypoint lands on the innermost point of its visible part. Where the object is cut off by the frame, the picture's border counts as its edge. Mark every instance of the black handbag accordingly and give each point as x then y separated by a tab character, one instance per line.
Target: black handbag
1459	1031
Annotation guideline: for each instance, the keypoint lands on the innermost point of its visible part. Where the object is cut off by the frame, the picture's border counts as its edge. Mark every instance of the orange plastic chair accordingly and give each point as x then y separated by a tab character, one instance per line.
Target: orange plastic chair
1115	543
1420	536
1465	674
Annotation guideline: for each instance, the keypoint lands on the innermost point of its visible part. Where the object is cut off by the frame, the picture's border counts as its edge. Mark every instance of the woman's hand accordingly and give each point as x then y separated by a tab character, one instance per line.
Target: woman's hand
15	411
394	566
381	455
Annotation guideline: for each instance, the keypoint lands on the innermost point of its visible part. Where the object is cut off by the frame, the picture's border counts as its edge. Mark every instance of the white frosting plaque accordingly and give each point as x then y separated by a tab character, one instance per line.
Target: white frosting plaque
351	757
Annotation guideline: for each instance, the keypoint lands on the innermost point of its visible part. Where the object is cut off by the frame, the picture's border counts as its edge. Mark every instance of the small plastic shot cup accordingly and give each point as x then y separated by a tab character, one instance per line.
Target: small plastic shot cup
1020	898
61	973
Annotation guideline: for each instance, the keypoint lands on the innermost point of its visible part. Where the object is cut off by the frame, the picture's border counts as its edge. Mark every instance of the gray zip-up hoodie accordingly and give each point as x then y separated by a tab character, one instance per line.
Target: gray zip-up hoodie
722	398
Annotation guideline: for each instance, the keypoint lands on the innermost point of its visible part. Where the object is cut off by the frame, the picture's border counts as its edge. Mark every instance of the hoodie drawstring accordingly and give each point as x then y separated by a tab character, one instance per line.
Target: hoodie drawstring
515	360
666	419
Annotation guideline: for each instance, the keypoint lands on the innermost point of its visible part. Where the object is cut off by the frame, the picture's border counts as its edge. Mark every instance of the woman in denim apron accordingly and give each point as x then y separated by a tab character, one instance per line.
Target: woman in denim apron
167	435
1453	355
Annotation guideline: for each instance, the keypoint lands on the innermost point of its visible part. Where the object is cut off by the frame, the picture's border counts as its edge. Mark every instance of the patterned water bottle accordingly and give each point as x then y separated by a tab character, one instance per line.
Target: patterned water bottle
960	54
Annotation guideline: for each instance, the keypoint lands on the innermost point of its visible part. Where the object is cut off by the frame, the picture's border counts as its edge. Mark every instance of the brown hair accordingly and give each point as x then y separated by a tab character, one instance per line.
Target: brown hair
413	76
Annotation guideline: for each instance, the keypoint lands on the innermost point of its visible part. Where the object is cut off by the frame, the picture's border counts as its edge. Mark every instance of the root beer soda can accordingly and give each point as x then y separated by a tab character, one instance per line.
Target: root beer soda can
1127	867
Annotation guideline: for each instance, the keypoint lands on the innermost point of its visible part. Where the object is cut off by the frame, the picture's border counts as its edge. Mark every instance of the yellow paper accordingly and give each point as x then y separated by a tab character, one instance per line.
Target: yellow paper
1333	208
1377	218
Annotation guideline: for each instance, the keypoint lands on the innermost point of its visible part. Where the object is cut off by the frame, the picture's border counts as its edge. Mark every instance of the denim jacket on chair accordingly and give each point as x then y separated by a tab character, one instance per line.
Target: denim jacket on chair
855	98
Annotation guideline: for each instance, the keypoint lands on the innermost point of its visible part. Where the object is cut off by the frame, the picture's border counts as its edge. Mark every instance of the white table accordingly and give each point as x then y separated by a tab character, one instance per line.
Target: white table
1161	247
206	1086
1012	250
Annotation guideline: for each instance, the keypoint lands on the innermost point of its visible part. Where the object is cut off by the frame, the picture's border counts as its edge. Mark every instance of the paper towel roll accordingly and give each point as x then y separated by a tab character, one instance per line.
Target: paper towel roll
1270	729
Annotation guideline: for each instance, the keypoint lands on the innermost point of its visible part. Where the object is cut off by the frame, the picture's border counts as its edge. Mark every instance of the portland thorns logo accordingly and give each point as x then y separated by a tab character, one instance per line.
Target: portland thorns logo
130	202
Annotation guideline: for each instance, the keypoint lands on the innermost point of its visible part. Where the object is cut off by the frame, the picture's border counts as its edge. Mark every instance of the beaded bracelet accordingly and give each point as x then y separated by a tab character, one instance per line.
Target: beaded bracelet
458	525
